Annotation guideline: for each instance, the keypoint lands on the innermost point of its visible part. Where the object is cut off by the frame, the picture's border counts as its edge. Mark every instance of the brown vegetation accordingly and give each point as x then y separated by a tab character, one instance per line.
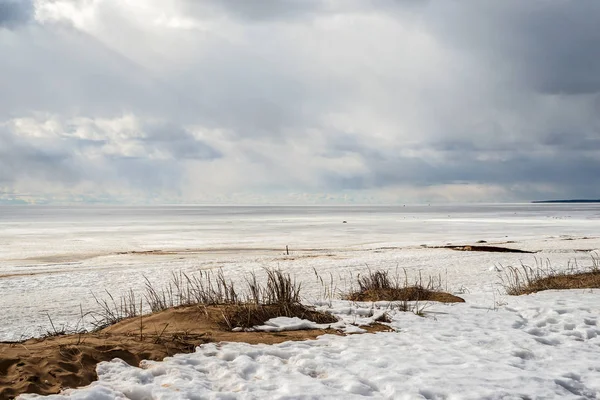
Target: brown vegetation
377	286
249	315
252	304
526	279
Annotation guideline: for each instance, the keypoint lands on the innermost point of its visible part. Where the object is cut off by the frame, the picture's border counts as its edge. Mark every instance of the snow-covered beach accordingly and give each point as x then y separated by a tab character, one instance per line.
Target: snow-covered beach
493	346
544	346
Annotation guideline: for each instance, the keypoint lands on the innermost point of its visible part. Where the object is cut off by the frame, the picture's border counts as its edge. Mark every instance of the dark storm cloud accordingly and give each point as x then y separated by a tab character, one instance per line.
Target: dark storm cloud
15	12
549	46
562	160
564	140
571	170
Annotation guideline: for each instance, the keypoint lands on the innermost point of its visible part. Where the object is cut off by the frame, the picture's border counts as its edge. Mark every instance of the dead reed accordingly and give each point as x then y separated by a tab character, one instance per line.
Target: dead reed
525	279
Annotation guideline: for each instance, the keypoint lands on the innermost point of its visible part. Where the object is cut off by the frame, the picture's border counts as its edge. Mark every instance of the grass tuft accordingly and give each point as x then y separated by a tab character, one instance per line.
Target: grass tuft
379	286
111	311
526	279
253	305
280	297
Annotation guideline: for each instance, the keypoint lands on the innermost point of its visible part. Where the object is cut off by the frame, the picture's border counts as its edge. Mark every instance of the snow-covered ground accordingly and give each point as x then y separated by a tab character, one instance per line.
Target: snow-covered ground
544	346
493	346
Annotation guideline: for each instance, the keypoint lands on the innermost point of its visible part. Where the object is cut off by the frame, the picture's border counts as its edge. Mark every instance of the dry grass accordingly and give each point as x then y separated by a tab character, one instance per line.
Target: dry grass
526	279
112	311
203	288
280	297
253	304
378	286
248	315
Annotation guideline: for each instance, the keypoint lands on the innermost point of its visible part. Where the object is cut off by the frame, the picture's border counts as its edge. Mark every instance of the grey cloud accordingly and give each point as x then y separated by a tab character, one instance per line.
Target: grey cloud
147	175
269	9
572	173
241	90
562	160
20	159
59	161
549	46
15	12
180	143
63	71
294	10
236	89
564	140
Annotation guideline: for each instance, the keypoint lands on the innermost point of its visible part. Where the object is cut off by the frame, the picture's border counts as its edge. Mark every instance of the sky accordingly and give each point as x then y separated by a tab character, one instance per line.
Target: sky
299	101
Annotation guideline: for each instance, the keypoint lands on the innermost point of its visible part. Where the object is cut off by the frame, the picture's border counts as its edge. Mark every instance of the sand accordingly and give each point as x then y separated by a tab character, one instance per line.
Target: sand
48	365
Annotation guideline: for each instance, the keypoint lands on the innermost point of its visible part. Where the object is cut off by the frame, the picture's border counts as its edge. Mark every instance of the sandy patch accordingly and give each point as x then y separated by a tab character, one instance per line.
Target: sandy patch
48	365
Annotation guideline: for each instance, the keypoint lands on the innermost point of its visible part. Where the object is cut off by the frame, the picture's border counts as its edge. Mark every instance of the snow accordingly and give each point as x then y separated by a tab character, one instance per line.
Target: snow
493	346
351	318
545	345
280	324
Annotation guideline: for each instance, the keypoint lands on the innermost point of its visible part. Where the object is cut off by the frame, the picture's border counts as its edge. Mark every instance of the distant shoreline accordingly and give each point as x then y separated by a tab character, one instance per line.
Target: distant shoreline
568	201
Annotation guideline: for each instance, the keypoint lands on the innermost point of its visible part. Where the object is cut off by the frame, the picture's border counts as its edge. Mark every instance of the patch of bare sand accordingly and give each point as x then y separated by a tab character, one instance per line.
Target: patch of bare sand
48	365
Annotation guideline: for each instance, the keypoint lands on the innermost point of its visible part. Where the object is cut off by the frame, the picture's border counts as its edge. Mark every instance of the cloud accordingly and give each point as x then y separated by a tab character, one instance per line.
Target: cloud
15	12
264	10
185	100
22	160
283	11
52	154
547	46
